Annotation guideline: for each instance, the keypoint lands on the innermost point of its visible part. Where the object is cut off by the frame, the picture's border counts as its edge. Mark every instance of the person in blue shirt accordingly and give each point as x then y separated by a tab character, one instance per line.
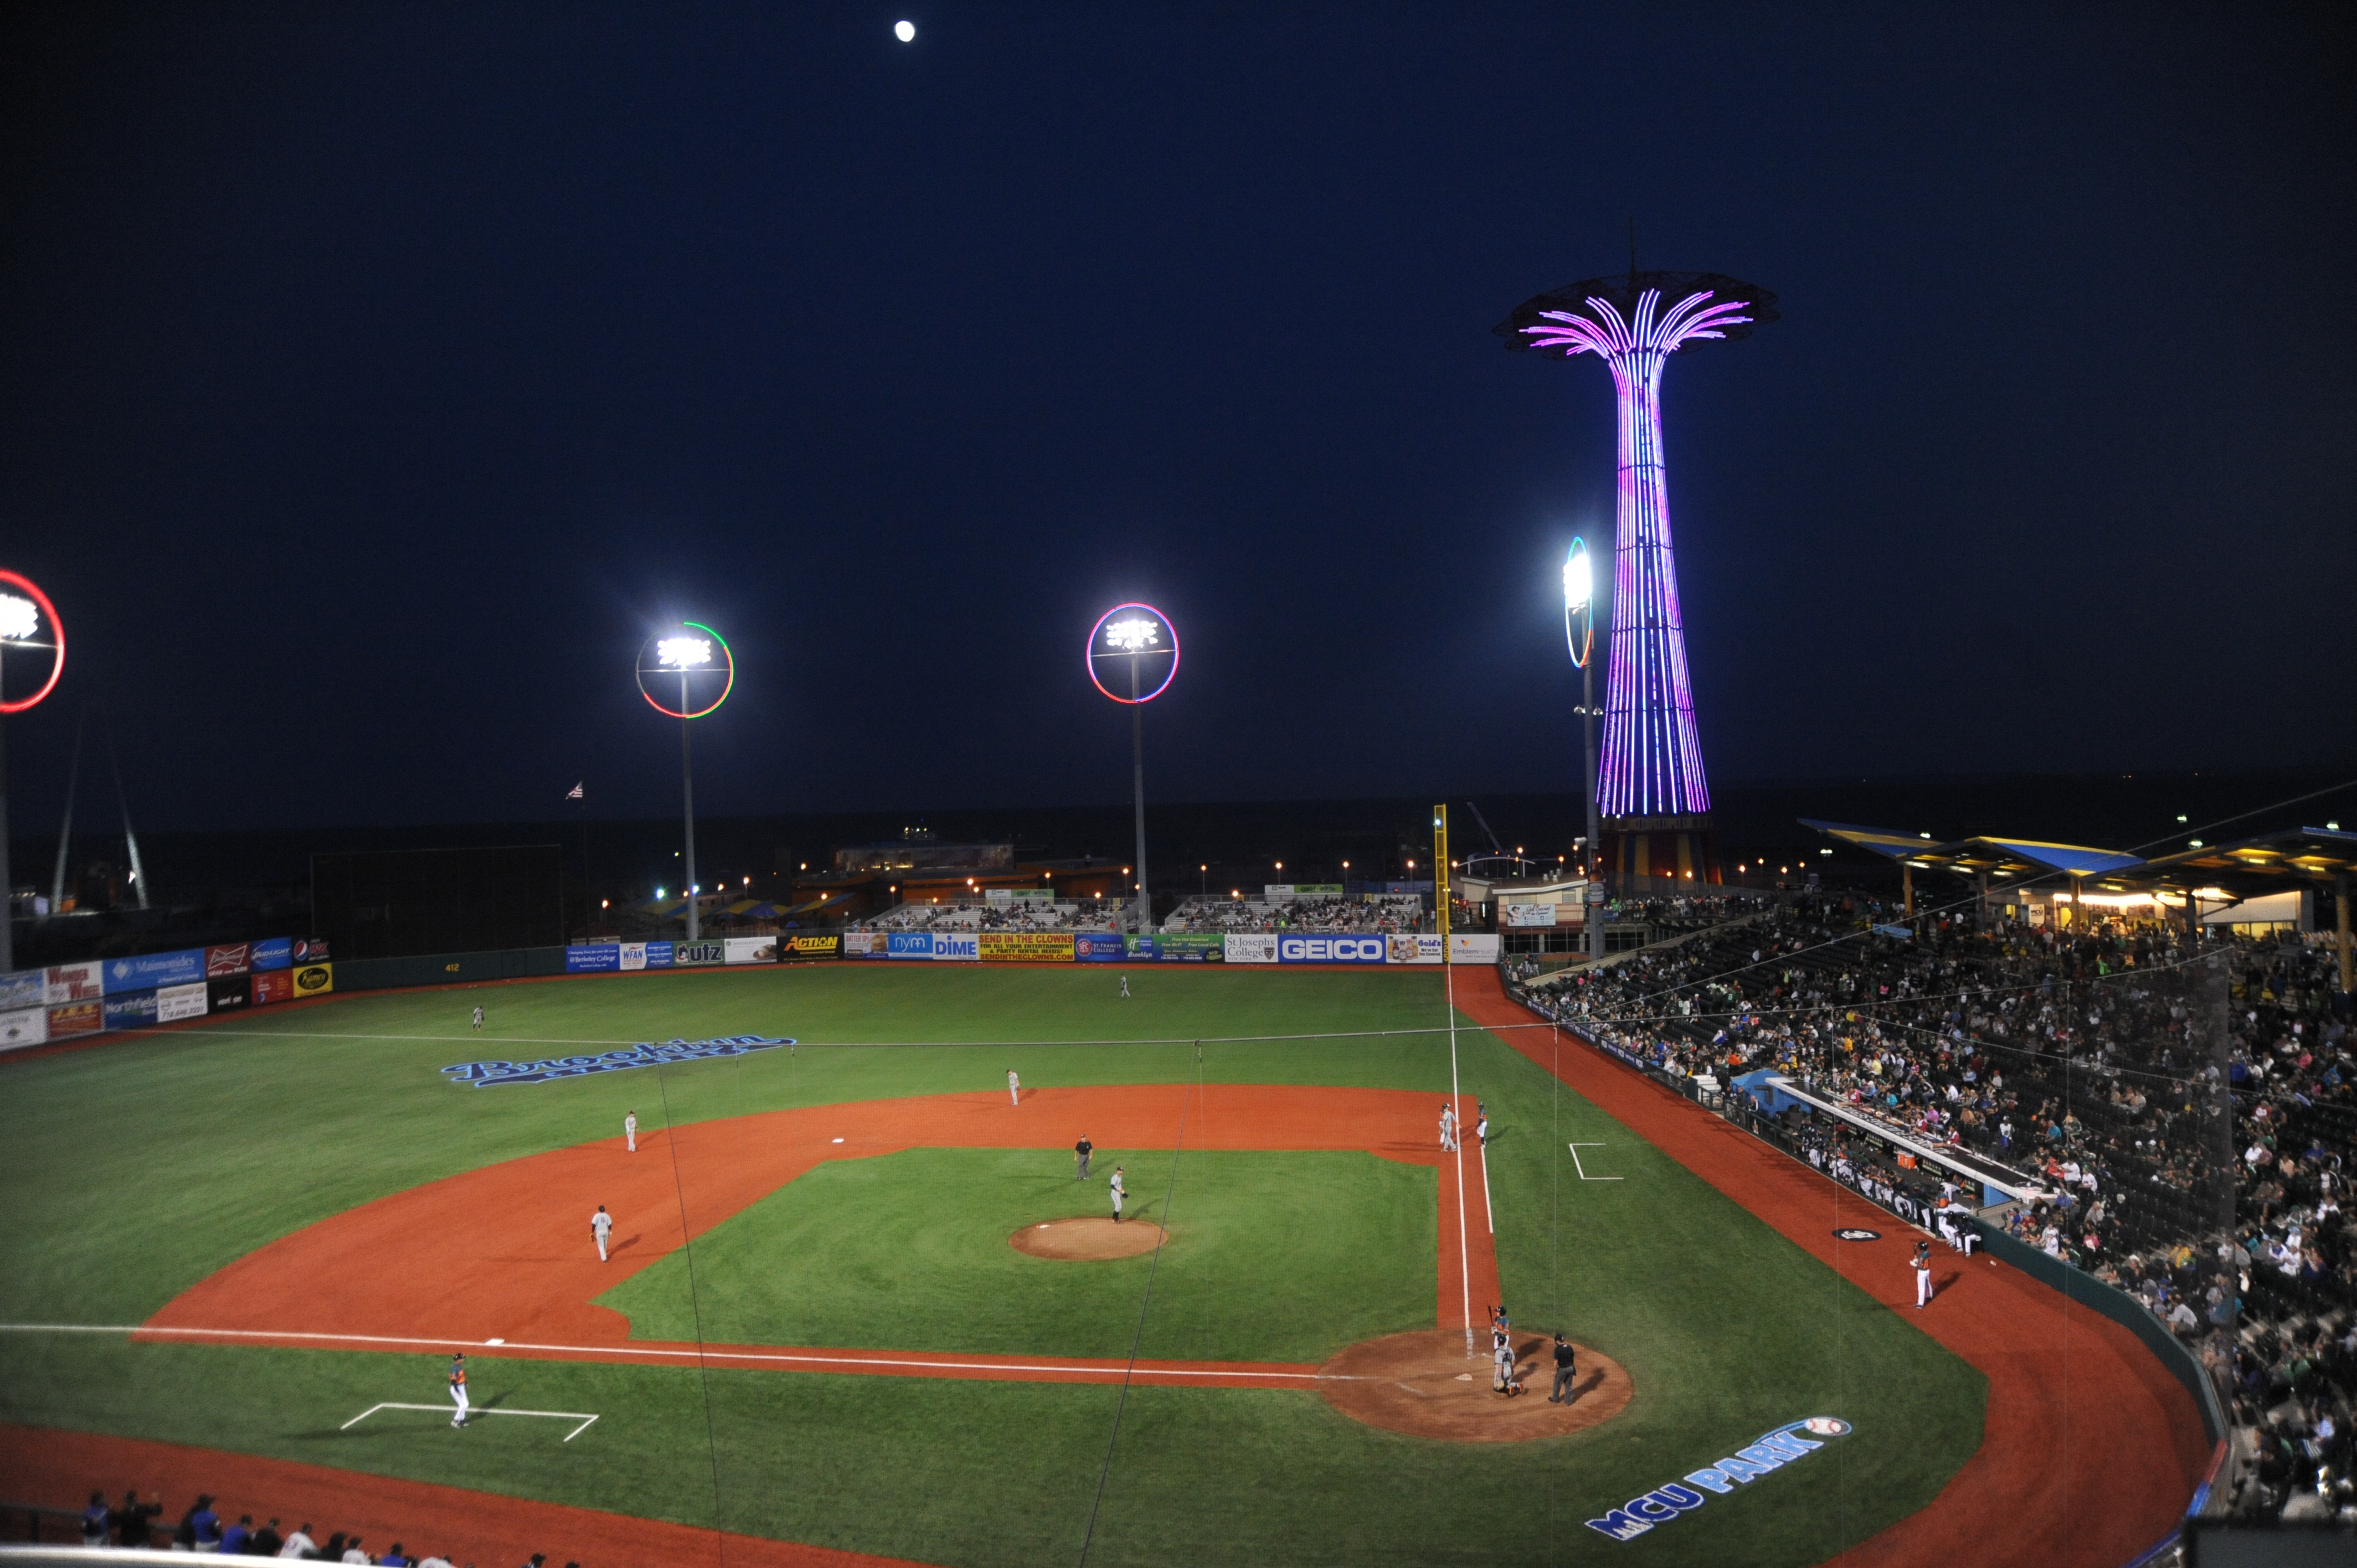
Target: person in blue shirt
233	1541
394	1557
204	1525
96	1519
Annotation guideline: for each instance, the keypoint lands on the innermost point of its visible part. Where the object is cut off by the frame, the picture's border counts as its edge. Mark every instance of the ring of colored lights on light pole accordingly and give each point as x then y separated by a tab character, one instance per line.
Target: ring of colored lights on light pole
1579	603
18	625
681	653
1133	631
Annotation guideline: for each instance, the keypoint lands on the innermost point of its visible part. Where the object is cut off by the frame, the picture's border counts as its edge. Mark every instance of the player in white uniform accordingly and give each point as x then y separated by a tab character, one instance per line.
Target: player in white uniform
630	1130
600	1224
1124	987
1014	1087
1447	1127
1119	1192
479	1015
1922	1275
458	1389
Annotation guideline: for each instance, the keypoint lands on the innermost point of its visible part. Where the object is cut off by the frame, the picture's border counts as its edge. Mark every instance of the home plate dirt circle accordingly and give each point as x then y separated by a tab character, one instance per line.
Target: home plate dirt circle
1086	1241
1423	1384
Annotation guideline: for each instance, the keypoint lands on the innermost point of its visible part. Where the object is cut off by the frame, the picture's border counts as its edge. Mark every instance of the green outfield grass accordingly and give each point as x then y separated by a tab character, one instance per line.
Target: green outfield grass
136	1168
1272	1257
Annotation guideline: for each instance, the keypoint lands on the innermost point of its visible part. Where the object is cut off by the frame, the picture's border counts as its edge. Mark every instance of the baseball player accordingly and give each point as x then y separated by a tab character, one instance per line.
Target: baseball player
1481	1129
1922	1275
1125	988
601	1225
1014	1088
1080	1150
630	1130
1565	1370
478	1017
1119	1192
1501	1353
1447	1127
458	1389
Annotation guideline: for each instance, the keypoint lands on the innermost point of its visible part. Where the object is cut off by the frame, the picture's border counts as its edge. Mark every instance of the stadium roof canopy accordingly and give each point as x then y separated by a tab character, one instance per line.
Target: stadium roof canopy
1980	855
2271	863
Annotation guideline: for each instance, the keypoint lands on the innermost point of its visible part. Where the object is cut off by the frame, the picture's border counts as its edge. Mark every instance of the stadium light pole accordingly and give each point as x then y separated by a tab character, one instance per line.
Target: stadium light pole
685	651
1137	635
27	620
1580	636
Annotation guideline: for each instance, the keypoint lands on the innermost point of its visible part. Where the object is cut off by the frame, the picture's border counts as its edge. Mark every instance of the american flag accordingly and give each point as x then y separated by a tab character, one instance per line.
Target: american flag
574	793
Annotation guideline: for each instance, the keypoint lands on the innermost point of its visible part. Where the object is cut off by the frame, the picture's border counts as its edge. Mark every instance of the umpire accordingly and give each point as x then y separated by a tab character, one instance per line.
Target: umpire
1562	1393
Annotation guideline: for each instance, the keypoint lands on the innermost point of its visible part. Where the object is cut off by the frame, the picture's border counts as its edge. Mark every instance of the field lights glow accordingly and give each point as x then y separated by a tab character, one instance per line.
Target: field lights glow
1652	765
19	618
681	651
1131	634
24	615
672	659
1579	610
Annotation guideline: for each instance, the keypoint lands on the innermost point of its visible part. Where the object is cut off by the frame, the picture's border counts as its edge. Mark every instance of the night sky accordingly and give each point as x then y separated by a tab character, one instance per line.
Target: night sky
372	377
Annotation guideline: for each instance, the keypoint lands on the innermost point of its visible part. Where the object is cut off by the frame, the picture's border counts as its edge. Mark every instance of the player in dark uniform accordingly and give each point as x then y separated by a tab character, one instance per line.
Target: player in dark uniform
1081	1152
1565	1370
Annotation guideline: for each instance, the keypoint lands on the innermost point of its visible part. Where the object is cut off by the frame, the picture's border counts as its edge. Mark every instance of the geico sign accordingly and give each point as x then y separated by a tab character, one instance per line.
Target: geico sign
1329	950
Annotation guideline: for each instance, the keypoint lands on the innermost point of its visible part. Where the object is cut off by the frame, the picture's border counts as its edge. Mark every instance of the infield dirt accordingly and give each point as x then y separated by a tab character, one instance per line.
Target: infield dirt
1429	1383
1087	1241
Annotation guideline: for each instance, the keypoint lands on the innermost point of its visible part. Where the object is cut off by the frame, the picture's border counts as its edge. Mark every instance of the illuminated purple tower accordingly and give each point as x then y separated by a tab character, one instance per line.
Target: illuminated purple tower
1649	787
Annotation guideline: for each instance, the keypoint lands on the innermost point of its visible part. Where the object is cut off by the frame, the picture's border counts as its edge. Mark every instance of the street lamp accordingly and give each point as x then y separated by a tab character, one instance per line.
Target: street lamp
28	625
1141	637
694	657
1579	636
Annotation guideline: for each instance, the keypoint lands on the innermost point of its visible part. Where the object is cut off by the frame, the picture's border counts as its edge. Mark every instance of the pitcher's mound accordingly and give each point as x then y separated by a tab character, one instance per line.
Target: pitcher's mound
1086	1241
1419	1383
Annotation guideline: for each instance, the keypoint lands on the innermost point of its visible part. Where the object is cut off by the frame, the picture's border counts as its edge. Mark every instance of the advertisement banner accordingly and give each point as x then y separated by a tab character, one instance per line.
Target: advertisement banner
25	988
908	944
309	950
77	1018
866	944
24	1026
73	982
1478	948
273	985
1522	914
229	995
659	954
1329	950
1404	948
1099	947
1142	947
629	956
596	958
749	950
233	959
134	1011
273	952
314	979
693	955
813	945
174	1002
1027	947
959	947
1191	947
1251	947
148	971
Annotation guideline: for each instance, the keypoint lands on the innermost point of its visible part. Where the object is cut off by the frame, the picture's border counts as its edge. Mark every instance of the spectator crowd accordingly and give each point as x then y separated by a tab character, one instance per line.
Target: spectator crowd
202	1528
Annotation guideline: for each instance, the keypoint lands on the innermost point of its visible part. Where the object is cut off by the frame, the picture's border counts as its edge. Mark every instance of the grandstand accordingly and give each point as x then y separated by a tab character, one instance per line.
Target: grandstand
1371	913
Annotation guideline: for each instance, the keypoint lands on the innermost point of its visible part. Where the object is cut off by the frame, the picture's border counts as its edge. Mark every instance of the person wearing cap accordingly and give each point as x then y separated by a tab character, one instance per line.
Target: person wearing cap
1565	1370
1922	1275
458	1389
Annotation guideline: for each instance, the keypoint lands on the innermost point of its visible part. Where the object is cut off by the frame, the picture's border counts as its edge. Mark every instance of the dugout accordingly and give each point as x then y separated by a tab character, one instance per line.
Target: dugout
404	903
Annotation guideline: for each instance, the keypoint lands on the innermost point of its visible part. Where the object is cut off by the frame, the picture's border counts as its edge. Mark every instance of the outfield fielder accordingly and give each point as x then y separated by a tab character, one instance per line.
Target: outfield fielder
630	1130
458	1389
479	1015
600	1225
1119	1192
1125	988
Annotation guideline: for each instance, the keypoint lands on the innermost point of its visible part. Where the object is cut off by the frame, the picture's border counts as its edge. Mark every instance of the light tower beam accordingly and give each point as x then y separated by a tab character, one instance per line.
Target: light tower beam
1650	781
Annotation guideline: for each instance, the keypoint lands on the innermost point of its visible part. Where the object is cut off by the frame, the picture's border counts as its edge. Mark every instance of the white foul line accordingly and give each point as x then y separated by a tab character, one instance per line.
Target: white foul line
1489	1214
1464	1245
1574	1149
586	1420
618	1352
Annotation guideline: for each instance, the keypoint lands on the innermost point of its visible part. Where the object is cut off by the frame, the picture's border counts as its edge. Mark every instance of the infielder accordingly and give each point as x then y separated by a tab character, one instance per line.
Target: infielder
479	1015
1014	1088
630	1130
601	1224
1082	1150
1447	1127
1119	1192
1481	1130
458	1389
1922	1275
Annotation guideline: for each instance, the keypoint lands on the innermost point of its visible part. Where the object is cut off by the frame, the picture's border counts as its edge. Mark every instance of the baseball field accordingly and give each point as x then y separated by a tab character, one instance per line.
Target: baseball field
831	1321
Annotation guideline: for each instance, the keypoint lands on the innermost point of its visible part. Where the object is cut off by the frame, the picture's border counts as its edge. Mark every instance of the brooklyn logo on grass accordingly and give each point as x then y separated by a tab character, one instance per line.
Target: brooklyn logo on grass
1774	1450
484	1074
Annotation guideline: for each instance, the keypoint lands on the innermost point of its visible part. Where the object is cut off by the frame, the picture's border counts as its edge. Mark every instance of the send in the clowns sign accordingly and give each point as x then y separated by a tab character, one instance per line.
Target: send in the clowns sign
483	1075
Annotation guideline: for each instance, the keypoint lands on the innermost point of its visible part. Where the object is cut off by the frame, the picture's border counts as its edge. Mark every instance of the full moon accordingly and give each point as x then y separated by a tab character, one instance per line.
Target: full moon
905	31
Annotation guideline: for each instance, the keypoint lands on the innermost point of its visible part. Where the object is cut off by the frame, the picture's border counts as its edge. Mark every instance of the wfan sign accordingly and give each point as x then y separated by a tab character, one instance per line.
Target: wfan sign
1746	1465
483	1075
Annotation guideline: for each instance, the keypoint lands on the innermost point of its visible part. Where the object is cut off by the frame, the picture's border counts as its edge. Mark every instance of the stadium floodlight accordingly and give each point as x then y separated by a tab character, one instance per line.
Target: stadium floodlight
1579	636
31	633
684	653
1141	637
